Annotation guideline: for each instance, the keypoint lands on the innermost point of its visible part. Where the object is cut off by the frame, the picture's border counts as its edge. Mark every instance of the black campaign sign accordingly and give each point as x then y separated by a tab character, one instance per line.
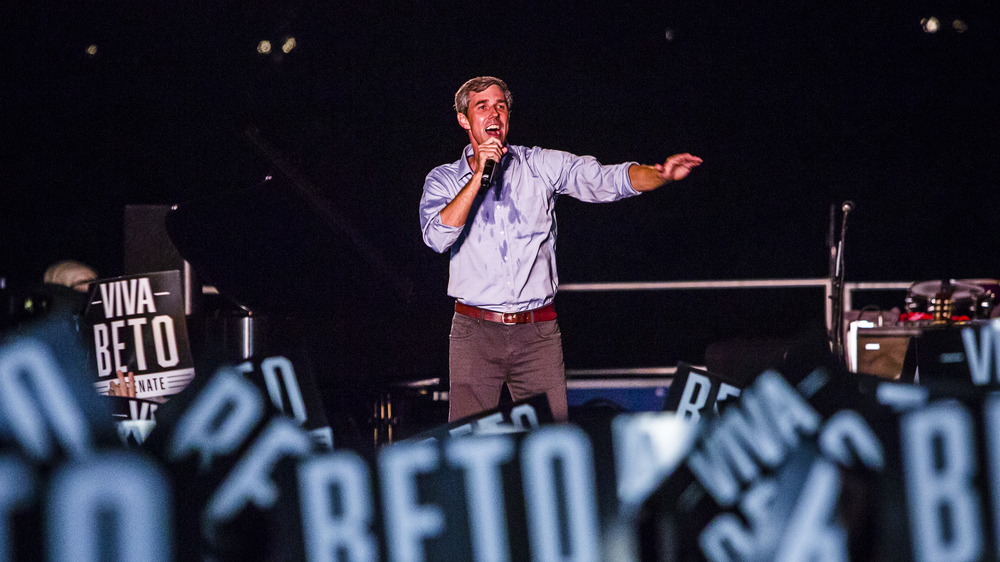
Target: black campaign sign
960	355
697	392
951	477
137	323
764	480
522	415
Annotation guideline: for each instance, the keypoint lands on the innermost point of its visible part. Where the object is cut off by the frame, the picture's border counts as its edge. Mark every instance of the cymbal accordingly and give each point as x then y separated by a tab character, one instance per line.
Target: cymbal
959	289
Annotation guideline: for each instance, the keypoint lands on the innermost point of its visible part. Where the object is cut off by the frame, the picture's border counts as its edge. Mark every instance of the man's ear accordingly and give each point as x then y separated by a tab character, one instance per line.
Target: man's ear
463	121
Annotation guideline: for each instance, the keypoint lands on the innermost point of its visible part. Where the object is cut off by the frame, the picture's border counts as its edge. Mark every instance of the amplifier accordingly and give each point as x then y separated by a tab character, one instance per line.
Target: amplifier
886	352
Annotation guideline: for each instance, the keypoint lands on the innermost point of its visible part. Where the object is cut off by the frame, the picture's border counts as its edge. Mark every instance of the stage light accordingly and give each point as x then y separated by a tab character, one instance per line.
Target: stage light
289	45
669	34
960	26
264	47
930	25
92	50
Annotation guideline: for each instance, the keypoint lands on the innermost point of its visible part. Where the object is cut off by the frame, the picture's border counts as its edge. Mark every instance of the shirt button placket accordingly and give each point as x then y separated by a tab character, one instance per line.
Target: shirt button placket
508	273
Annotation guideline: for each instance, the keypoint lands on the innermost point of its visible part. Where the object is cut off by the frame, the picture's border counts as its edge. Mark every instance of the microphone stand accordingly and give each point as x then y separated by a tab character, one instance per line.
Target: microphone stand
837	285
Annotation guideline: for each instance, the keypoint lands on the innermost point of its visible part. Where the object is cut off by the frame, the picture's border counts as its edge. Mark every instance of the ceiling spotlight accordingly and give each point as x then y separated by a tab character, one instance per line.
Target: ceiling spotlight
959	26
92	50
264	47
930	25
288	46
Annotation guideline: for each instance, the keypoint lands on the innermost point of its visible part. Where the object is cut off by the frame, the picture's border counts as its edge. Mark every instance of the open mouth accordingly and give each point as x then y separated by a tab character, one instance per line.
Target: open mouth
493	130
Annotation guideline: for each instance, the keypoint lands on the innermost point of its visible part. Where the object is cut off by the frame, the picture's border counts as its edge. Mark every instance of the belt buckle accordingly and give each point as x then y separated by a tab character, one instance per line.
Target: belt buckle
511	315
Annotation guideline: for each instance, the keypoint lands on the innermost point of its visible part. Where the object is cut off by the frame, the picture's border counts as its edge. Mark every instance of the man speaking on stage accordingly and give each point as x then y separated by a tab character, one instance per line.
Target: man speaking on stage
494	209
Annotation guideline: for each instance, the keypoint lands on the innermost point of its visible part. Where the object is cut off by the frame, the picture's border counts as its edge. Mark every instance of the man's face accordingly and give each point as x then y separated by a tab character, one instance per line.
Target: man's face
487	116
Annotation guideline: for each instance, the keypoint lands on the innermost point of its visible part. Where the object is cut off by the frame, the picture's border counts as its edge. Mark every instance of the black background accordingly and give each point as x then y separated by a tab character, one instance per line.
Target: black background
793	106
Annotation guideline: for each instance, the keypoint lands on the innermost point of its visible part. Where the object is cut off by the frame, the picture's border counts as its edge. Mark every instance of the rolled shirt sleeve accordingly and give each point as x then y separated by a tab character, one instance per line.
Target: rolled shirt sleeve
438	192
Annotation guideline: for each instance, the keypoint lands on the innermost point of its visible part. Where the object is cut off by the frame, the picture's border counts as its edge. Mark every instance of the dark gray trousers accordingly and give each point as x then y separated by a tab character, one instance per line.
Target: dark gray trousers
483	355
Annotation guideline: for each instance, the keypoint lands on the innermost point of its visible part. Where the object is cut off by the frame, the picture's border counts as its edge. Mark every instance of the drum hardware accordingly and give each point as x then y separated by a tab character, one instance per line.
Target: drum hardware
382	421
942	302
405	408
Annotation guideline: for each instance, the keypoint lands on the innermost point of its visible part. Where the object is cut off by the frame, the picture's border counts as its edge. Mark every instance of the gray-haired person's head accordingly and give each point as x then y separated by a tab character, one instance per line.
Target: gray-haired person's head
478	84
70	273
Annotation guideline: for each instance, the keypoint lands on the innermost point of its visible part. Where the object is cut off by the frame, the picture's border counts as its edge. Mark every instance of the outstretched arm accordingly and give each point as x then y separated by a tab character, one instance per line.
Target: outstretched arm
648	178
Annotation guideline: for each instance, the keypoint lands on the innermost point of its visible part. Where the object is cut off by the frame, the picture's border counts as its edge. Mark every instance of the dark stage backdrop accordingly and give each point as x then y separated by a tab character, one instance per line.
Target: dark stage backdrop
793	108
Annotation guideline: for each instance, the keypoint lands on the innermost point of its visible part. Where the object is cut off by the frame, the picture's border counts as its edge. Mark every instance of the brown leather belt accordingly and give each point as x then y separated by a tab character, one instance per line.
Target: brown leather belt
543	314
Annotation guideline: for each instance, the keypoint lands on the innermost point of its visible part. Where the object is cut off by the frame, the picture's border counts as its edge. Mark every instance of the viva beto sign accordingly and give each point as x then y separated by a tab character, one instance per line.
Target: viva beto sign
223	469
226	476
137	323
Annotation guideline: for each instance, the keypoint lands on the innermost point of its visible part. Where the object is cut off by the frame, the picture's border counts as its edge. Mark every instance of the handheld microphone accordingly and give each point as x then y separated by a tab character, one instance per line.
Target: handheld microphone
488	169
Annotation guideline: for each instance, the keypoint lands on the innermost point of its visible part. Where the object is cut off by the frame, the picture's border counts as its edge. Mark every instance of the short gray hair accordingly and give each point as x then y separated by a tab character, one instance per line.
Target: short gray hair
479	84
70	273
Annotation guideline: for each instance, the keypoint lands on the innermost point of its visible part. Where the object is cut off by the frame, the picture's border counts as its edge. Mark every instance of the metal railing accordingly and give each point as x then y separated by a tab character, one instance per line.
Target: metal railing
667	371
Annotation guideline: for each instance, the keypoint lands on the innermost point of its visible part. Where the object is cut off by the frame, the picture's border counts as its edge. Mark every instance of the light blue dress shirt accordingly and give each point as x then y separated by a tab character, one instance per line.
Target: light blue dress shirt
503	258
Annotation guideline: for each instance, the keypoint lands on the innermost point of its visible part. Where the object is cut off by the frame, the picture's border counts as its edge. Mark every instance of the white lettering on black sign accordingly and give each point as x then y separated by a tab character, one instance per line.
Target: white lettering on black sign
777	415
36	404
813	533
544	451
127	298
138	324
204	430
726	537
131	297
695	396
647	447
250	480
559	491
481	458
330	529
760	432
698	396
939	470
129	491
983	355
522	418
279	373
848	439
109	352
407	522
